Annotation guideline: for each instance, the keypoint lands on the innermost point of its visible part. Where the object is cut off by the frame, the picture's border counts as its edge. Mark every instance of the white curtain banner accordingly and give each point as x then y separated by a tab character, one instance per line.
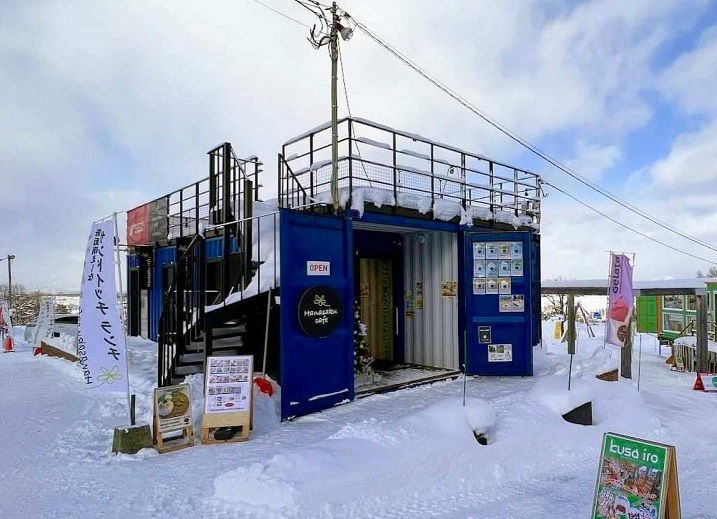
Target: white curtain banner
44	327
100	337
5	320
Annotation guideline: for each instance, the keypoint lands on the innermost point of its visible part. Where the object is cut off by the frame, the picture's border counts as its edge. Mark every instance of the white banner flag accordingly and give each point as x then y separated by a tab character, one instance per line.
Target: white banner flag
100	336
5	320
45	325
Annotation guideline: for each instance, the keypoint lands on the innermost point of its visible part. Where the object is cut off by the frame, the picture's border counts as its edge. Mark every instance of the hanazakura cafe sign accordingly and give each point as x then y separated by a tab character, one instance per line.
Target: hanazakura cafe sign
319	311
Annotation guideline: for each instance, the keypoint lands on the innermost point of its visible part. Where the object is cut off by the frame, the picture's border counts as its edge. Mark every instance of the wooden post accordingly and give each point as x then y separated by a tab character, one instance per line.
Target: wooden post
571	324
702	345
626	352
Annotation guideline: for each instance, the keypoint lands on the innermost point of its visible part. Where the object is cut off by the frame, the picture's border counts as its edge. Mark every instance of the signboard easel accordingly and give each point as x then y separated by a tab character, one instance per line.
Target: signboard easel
227	399
172	414
636	478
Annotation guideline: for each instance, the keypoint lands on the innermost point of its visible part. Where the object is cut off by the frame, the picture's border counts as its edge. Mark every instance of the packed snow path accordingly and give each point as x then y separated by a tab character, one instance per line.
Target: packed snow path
56	460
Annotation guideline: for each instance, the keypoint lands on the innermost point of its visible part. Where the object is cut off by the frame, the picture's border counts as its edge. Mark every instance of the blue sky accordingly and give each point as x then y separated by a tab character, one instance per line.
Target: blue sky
106	105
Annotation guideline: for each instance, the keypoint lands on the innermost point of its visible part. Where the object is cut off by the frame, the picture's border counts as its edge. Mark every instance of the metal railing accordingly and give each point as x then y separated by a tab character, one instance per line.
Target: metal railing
396	168
182	314
223	200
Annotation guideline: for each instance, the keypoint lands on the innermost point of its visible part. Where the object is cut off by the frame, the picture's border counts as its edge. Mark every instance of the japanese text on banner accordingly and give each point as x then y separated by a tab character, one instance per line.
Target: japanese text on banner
101	339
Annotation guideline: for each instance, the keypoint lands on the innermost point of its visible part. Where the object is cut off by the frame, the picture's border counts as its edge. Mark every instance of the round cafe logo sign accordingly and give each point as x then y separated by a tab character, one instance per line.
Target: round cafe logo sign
319	311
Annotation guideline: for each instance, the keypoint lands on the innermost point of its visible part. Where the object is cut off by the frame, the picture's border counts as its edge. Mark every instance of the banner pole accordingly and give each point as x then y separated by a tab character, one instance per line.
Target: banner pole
121	313
639	364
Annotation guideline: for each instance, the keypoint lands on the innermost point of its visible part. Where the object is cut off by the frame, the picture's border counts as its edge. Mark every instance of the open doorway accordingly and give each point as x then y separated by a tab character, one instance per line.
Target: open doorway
406	287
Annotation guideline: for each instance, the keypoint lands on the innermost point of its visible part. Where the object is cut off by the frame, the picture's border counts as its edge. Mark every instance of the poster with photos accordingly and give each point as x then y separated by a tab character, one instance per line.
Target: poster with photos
516	268
229	384
491	286
516	250
478	268
491	269
503	250
511	303
491	250
504	285
504	268
478	286
500	352
479	250
505	303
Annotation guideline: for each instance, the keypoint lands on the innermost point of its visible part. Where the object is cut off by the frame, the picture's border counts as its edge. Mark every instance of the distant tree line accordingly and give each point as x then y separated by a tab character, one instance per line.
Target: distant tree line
711	273
26	304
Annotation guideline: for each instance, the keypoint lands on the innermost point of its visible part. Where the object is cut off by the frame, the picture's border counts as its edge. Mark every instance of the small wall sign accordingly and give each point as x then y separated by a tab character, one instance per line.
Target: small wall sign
319	311
318	268
484	334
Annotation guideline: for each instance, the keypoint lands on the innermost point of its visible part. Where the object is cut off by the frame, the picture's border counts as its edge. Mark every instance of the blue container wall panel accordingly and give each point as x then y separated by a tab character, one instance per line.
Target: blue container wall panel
214	247
132	261
501	300
316	373
162	256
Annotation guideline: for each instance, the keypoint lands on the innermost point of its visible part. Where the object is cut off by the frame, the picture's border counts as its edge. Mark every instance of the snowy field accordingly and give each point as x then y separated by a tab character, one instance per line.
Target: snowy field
407	454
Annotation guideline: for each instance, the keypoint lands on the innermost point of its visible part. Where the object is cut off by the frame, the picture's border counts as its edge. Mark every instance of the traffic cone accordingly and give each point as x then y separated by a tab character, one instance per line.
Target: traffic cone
8	344
699	386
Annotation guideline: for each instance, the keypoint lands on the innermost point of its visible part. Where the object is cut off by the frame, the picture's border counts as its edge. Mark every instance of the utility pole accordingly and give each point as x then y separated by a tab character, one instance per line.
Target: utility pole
9	259
334	23
334	53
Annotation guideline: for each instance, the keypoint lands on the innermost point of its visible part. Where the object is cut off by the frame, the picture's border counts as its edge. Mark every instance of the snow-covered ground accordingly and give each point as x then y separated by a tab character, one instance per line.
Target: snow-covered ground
406	454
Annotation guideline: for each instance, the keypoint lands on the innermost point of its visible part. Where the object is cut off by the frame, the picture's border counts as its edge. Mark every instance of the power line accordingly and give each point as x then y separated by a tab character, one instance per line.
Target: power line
626	226
281	14
348	109
522	141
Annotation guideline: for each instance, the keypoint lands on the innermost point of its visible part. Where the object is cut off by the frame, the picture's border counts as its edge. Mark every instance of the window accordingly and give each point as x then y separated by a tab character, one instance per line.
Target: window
692	303
675	302
672	322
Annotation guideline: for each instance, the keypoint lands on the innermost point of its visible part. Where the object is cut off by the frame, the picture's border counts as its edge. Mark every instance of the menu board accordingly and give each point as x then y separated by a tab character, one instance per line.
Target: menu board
229	384
495	267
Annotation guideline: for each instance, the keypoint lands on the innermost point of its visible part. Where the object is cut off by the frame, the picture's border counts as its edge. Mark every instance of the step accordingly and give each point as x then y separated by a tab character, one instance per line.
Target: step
228	331
198	358
189	369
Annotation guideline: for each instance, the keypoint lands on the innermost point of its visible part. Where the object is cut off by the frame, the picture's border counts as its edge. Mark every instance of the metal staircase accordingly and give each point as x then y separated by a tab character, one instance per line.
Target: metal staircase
187	332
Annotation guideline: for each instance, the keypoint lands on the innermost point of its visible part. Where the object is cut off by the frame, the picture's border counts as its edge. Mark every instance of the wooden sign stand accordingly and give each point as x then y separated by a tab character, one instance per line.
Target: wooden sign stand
672	501
232	374
174	444
172	424
636	477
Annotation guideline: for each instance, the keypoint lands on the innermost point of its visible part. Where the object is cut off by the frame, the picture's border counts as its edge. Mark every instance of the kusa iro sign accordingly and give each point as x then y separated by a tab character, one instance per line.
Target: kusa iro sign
318	268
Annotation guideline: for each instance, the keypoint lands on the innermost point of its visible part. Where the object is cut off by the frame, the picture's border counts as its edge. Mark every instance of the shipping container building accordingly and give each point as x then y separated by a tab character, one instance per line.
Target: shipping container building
672	316
437	249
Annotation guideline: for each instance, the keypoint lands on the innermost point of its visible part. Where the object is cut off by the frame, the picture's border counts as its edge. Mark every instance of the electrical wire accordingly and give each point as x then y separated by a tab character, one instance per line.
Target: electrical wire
626	226
524	142
510	134
282	14
348	110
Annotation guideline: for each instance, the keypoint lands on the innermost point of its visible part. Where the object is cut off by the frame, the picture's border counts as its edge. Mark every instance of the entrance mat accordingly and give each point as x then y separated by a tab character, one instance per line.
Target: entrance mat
401	376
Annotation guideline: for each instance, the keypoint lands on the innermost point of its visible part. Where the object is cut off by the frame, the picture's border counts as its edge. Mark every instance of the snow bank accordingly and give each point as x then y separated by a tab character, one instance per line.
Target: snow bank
357	452
552	393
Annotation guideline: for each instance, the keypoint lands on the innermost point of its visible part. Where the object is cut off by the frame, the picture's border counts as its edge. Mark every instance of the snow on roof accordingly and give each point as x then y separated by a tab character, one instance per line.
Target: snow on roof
684	286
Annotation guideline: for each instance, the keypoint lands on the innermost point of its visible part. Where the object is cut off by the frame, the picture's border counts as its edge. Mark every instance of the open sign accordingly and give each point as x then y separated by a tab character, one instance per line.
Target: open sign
318	268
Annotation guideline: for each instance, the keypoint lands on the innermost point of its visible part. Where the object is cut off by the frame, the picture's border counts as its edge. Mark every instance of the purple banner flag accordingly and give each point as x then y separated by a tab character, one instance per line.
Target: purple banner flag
620	300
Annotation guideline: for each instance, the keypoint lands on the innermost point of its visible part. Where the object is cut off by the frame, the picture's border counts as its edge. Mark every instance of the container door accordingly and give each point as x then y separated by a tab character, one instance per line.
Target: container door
316	312
501	275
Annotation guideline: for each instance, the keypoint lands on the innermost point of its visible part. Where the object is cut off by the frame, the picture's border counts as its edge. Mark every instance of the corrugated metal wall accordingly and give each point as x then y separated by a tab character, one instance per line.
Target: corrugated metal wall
431	307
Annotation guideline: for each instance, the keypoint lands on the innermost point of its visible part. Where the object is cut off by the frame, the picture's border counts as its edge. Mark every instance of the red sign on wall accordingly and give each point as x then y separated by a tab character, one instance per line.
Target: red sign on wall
138	225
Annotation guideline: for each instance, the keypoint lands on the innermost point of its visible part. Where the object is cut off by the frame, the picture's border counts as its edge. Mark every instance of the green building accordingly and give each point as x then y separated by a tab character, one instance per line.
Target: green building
670	315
